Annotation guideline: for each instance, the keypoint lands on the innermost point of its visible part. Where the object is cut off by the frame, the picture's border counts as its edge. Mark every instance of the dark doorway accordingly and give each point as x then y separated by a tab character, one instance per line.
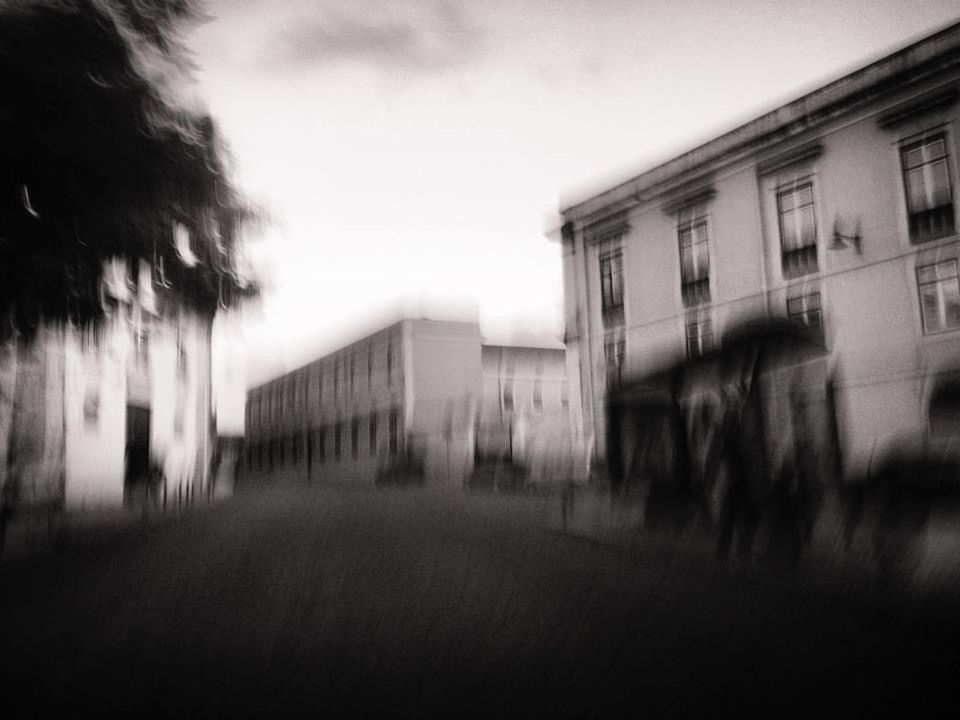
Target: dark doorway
137	453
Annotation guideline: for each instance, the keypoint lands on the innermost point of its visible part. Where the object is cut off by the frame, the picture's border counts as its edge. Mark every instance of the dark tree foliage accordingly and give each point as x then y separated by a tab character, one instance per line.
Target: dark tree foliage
96	162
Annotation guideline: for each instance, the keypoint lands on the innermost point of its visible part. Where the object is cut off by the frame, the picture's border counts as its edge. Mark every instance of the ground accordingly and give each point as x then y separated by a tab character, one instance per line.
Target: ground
306	600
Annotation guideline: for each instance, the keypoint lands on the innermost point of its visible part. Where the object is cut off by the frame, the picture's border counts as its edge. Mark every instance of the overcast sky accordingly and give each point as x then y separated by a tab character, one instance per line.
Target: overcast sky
419	151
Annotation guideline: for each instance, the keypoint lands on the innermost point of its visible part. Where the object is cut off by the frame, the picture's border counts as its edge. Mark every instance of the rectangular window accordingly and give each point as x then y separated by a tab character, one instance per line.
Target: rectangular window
806	309
538	394
295	442
508	395
565	395
699	338
926	179
615	352
321	445
336	379
320	385
389	363
355	438
798	233
611	286
370	369
337	438
394	433
353	375
373	434
939	289
694	257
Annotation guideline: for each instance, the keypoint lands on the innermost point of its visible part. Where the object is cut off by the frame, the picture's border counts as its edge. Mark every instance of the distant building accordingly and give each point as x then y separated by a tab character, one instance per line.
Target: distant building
419	390
838	210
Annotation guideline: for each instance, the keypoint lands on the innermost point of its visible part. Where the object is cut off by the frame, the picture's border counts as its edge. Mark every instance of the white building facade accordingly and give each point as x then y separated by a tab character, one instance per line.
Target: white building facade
838	210
100	416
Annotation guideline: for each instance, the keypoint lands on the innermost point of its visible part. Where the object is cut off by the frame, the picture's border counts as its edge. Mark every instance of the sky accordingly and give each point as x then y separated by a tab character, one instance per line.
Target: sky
411	156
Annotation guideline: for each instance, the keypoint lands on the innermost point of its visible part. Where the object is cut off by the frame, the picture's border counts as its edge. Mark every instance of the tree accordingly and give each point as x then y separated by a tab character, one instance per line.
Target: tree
100	160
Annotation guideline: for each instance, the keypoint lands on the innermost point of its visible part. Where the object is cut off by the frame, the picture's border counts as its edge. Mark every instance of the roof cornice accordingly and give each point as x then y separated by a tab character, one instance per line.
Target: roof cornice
895	73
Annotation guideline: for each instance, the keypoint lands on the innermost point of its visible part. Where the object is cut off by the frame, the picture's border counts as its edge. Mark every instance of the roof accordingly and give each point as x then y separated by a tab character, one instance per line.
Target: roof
908	66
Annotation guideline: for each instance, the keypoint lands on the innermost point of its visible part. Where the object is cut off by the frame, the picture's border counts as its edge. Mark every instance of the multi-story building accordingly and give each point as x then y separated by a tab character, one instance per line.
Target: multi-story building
419	389
839	209
409	389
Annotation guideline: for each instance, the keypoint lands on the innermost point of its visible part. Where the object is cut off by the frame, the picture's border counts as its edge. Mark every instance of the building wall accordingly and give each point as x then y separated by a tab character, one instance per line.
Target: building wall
445	382
849	149
103	376
292	420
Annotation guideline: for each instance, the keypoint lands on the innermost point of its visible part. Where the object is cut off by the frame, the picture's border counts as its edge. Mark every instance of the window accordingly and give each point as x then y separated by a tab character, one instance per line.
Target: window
564	395
538	394
798	234
939	288
355	438
508	395
373	434
806	309
389	363
615	352
611	285
694	257
353	375
370	369
926	179
337	437
699	337
320	385
336	379
296	448
394	433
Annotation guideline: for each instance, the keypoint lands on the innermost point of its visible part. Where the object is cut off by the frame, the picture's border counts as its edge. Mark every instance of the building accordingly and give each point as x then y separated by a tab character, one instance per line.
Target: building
92	416
420	392
525	410
838	210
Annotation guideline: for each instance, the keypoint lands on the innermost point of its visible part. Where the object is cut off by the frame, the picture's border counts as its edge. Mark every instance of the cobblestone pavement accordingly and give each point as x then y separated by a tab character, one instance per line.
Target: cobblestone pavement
311	600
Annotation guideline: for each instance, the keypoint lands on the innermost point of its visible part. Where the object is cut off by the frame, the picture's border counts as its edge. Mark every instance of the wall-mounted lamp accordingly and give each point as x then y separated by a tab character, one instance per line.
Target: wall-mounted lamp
845	240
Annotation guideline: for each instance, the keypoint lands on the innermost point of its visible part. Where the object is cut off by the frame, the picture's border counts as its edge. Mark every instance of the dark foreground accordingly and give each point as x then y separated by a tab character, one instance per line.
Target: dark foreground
313	601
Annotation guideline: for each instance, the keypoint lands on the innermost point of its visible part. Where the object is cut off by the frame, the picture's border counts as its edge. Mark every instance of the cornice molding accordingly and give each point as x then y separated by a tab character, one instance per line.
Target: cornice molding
918	107
798	156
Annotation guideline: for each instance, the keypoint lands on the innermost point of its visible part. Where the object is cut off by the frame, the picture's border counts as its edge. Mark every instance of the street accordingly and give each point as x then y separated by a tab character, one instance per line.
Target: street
311	600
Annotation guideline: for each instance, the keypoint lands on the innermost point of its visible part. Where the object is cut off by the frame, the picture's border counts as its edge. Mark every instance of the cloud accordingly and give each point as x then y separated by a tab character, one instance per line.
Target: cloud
422	36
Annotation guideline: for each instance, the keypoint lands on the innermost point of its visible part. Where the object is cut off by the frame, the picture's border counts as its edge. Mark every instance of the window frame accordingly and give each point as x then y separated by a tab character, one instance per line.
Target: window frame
610	256
804	258
698	321
696	290
914	142
941	305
